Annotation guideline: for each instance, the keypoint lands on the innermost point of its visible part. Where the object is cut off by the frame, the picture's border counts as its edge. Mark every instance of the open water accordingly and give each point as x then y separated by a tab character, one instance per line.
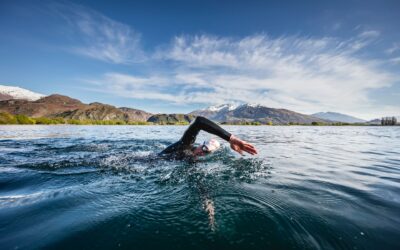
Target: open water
102	187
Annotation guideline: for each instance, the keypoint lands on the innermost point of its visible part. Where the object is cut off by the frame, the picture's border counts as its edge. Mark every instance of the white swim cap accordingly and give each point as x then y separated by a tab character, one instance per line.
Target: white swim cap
211	145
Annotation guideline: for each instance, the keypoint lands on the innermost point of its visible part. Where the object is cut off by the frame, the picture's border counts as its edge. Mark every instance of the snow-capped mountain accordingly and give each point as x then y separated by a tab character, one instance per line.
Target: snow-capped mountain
254	112
216	112
221	107
11	92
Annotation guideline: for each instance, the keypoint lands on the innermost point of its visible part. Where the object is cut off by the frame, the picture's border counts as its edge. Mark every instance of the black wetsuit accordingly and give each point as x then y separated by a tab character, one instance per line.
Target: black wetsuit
184	147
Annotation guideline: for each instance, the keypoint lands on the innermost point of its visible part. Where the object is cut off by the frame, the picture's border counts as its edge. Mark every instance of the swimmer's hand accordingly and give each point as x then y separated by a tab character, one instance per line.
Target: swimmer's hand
240	146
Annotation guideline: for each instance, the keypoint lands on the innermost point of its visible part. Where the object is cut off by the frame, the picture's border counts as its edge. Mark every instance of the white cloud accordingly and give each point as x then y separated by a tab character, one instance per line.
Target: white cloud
369	34
395	60
394	48
299	73
99	37
304	74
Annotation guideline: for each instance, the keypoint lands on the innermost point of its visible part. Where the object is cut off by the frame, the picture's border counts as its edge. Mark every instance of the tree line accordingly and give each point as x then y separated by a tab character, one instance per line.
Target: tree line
6	118
388	121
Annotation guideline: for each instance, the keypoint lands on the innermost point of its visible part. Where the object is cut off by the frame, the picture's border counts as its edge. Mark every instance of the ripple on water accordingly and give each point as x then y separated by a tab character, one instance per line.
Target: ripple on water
310	188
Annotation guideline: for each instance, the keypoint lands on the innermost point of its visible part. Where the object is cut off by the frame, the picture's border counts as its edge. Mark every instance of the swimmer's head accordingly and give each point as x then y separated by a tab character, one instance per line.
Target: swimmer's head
207	147
211	146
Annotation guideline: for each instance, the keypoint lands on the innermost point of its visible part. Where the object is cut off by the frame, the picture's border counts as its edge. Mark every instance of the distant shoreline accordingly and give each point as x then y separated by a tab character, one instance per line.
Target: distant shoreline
158	124
60	109
9	119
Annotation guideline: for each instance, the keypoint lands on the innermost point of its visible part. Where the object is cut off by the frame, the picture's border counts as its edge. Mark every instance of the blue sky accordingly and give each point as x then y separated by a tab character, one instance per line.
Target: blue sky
177	56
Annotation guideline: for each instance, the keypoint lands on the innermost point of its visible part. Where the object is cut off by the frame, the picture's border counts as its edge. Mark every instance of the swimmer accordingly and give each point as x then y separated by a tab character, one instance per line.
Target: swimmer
184	148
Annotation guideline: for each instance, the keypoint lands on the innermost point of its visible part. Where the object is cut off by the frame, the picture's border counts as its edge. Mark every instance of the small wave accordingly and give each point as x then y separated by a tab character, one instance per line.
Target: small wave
326	188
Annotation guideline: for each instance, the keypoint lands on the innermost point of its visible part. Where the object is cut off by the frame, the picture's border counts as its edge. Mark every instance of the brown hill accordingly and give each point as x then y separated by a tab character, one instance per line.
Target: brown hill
57	99
69	108
95	111
46	106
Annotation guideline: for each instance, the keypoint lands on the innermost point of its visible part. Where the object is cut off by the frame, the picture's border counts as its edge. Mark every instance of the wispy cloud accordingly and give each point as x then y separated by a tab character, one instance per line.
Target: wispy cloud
300	73
369	34
395	60
305	74
98	36
394	48
336	26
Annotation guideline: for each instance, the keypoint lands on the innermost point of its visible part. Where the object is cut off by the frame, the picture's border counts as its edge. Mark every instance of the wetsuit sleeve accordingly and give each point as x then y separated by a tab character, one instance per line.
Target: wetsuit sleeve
202	123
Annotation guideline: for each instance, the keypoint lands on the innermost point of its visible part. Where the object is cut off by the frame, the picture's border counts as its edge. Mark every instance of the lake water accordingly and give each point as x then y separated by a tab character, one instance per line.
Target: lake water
101	187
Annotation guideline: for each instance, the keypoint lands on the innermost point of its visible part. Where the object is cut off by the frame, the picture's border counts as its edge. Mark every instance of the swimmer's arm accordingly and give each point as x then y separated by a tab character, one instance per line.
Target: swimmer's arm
202	123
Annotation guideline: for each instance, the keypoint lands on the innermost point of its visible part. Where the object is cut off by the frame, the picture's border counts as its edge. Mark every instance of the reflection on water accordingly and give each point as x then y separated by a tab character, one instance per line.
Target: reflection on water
103	187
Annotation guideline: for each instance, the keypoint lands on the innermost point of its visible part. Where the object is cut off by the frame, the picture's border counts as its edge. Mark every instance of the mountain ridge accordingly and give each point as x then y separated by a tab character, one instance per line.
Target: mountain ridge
256	113
338	117
60	106
56	105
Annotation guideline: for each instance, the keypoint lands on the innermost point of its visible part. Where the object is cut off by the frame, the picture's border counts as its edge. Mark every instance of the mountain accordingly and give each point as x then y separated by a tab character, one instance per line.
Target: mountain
374	122
95	111
216	113
63	106
337	117
11	92
44	107
15	101
171	118
255	113
136	114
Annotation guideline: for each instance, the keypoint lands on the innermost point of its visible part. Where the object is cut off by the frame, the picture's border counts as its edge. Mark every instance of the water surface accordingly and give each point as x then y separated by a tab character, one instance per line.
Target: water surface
86	187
